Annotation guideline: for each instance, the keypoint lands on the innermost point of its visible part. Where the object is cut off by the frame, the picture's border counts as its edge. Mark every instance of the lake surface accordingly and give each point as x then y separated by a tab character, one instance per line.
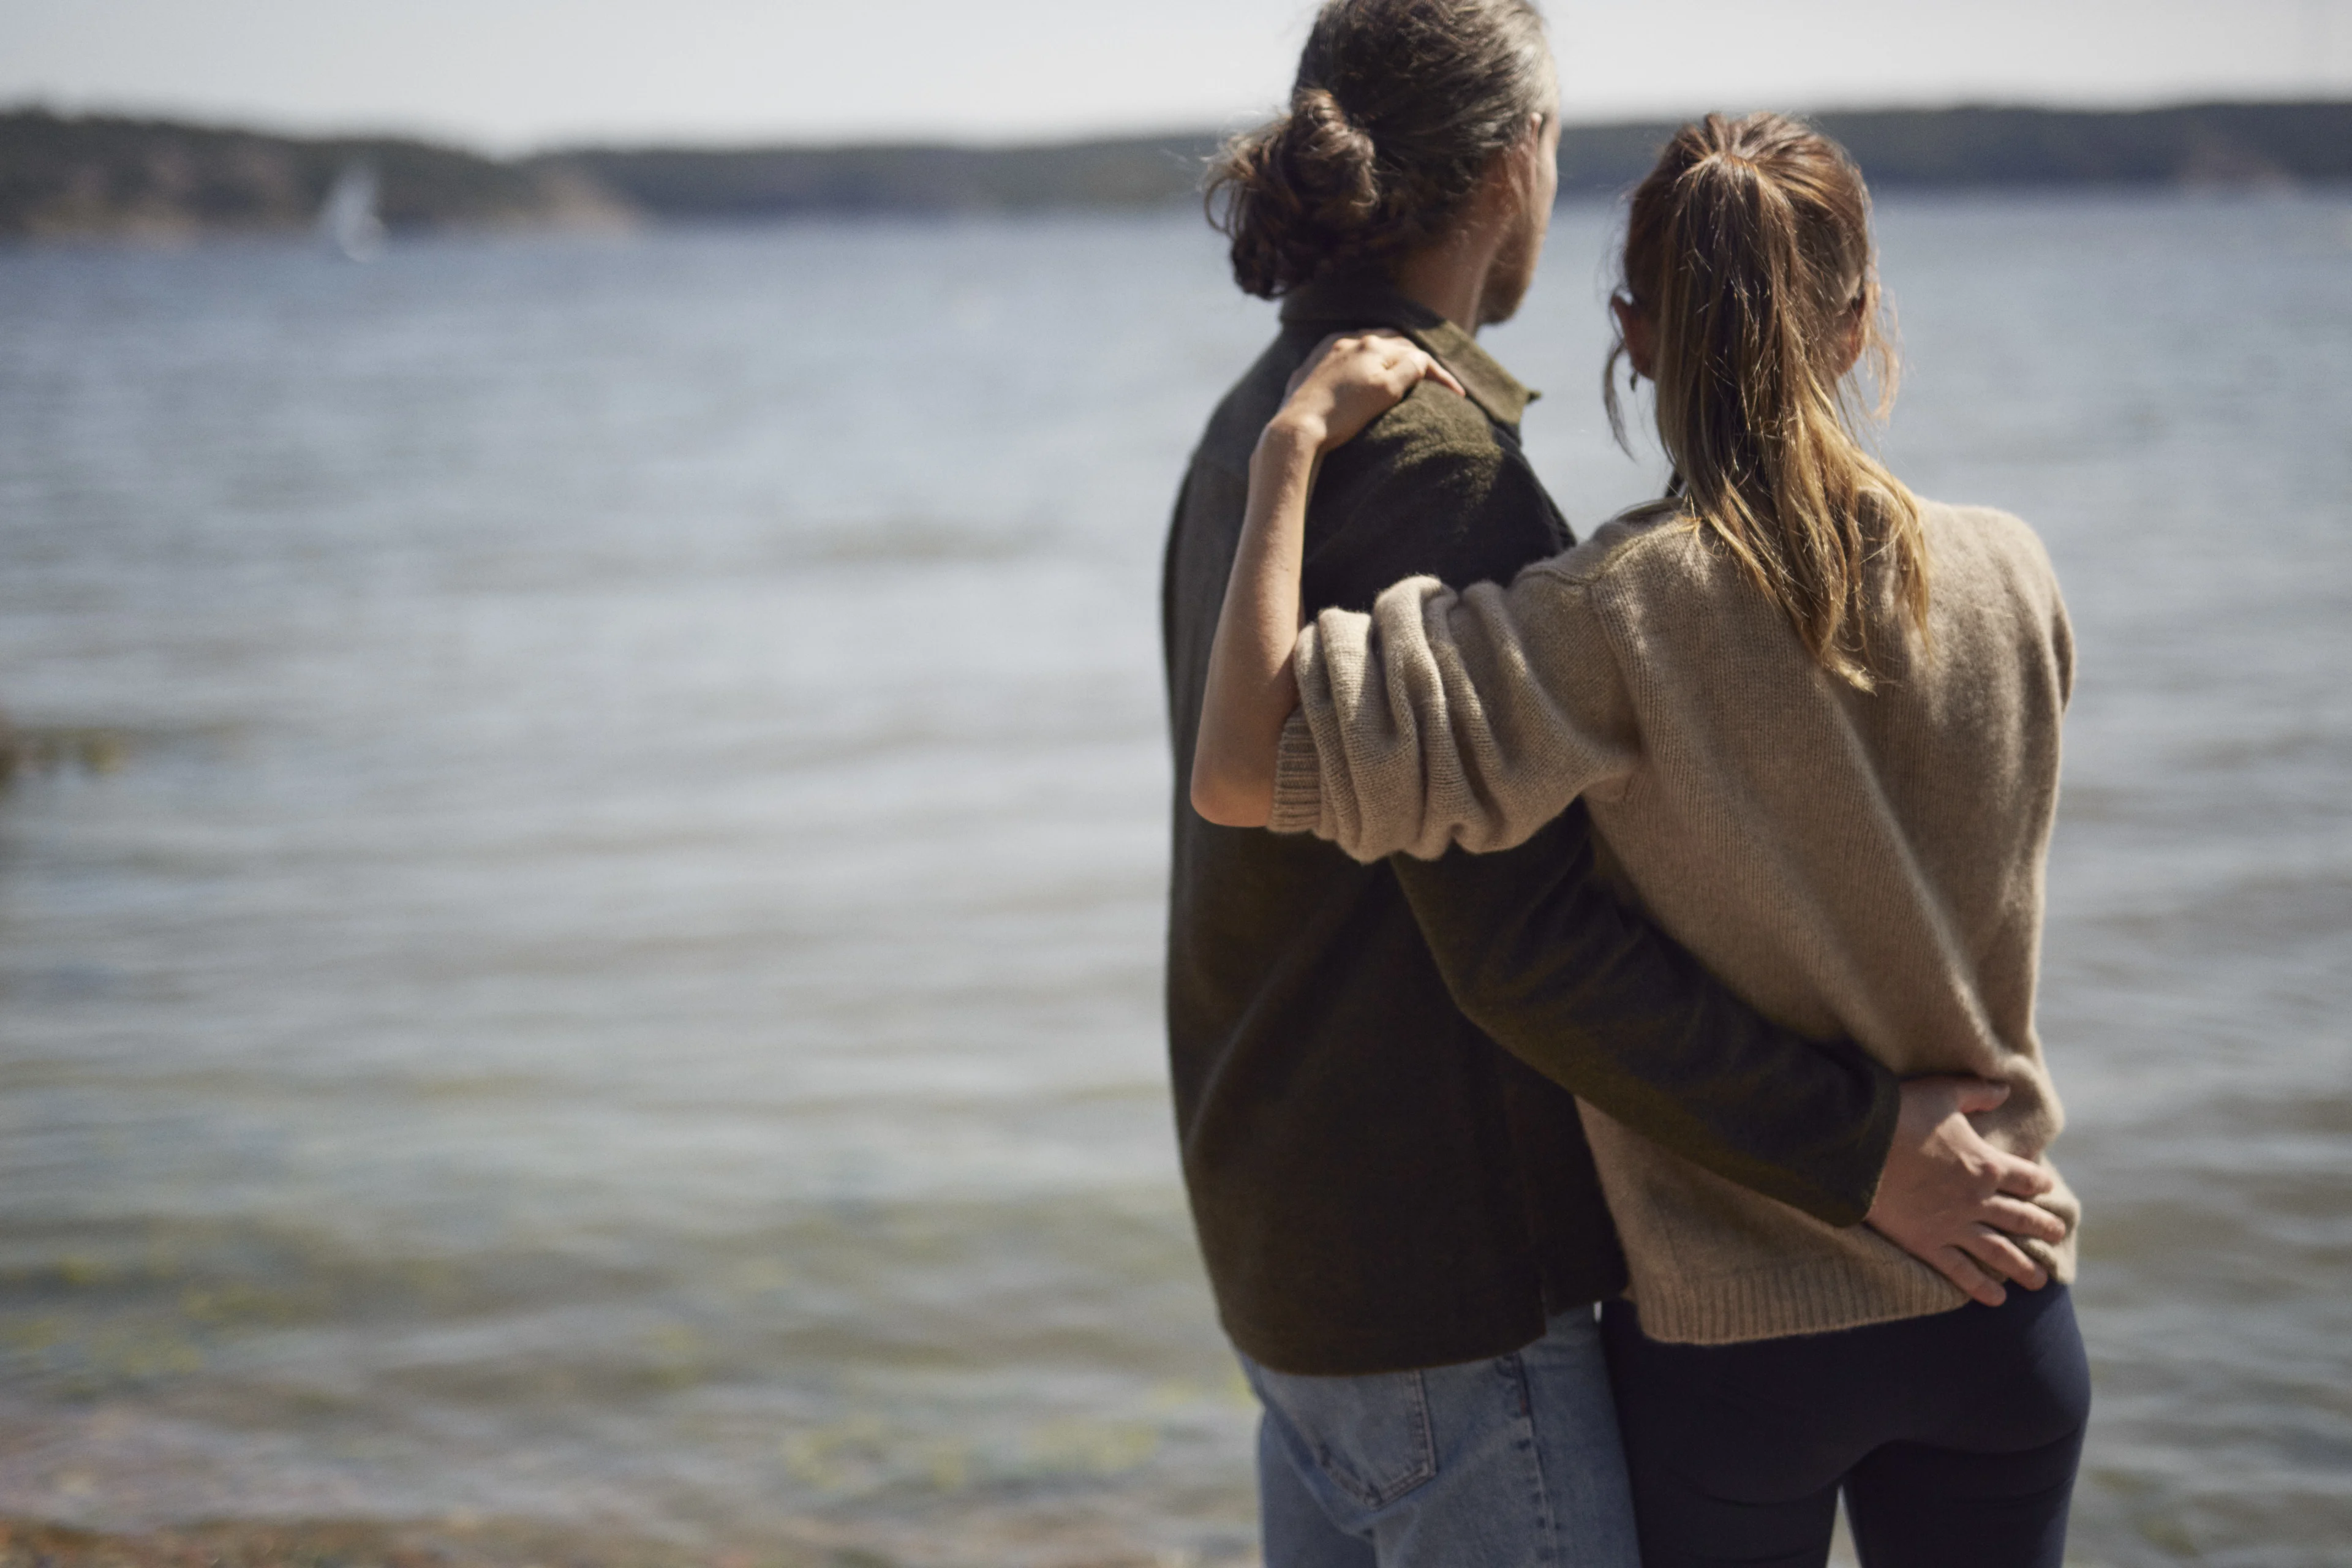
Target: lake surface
585	942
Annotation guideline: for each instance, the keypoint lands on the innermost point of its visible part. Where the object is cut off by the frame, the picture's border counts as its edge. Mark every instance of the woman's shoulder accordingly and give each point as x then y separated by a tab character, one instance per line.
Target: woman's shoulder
1655	543
1989	523
1984	538
1657	546
1654	560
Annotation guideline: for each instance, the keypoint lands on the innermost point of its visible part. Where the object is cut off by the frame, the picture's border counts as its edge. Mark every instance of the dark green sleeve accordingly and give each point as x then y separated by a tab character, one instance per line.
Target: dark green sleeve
1540	955
1535	947
1426	489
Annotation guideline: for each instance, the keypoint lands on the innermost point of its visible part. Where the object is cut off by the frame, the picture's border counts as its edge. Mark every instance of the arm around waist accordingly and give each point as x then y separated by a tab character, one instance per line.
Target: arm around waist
1538	952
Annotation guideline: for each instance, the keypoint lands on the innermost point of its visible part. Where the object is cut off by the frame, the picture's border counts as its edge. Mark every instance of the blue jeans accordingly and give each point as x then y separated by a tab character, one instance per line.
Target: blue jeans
1487	1463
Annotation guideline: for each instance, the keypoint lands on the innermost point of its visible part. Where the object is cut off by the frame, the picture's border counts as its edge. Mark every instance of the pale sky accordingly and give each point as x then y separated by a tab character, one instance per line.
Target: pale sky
516	74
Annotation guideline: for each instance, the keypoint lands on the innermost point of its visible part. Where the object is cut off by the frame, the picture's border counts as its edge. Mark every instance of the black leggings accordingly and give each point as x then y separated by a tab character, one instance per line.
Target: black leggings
1955	1439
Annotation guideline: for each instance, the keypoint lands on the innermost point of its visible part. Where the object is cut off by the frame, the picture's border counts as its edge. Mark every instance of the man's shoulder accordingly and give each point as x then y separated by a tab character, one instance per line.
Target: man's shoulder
1231	432
1431	425
1431	488
1434	449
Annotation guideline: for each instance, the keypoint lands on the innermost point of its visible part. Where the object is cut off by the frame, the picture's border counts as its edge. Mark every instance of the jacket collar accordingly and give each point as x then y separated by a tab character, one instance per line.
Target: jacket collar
1367	299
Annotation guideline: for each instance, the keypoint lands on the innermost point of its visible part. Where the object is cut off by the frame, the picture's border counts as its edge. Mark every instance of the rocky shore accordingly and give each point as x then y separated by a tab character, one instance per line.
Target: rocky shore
333	1544
465	1544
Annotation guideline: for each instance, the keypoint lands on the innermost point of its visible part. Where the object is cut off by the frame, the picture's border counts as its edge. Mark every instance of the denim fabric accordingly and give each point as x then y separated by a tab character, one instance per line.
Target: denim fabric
1485	1464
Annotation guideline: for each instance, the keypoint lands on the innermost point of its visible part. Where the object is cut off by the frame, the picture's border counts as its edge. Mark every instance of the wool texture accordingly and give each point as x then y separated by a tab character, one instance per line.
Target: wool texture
1855	865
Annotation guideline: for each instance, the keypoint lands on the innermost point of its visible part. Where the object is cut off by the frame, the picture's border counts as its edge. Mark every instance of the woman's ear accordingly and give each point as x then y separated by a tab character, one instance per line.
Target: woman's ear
1641	342
1856	321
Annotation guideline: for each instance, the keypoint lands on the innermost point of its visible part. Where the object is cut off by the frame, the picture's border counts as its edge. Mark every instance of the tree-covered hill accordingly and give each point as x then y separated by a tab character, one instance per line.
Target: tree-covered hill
99	176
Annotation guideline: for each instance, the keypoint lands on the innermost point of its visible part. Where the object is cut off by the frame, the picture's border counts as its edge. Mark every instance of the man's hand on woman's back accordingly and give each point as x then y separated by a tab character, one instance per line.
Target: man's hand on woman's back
1953	1200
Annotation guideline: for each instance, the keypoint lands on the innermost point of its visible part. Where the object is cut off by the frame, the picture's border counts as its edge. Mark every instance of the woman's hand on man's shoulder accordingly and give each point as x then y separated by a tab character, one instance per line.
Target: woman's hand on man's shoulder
1350	380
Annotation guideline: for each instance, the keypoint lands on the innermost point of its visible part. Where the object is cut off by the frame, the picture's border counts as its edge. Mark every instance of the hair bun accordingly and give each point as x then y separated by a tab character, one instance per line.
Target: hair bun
1328	162
1446	84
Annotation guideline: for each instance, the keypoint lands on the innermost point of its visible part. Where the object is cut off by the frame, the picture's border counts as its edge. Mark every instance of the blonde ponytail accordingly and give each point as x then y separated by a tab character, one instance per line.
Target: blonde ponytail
1748	253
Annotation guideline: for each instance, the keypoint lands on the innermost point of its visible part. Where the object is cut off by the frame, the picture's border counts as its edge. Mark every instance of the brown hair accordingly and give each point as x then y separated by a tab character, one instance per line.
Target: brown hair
1747	250
1398	109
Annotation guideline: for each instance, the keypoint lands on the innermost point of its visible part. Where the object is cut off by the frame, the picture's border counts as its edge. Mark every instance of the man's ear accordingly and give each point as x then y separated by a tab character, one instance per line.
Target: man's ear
1529	147
1508	168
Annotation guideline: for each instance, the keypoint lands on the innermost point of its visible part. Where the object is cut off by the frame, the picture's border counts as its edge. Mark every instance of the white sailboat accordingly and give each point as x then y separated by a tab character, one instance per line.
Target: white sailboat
347	219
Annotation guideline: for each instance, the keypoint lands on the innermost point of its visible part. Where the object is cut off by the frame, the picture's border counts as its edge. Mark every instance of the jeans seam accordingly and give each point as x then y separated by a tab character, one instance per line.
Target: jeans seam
1515	1367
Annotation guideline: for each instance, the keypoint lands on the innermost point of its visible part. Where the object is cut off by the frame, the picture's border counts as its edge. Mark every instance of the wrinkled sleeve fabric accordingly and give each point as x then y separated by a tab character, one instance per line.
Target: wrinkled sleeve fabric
1540	953
1533	945
1449	718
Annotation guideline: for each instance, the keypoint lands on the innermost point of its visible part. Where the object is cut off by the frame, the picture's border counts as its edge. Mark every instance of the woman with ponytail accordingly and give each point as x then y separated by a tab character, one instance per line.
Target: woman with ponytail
1815	718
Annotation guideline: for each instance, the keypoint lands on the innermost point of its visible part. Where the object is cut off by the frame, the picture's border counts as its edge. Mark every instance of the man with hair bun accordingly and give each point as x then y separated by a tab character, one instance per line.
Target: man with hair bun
1397	1206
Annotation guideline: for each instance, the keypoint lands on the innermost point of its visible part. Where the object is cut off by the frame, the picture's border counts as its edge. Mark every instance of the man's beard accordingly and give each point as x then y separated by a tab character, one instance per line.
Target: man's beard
1513	272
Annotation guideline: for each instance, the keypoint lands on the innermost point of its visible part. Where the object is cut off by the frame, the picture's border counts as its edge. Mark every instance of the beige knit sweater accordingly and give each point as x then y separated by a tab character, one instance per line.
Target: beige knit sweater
1865	866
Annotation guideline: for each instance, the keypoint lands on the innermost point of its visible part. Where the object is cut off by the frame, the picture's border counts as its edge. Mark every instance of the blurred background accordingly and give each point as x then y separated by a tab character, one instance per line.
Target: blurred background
582	861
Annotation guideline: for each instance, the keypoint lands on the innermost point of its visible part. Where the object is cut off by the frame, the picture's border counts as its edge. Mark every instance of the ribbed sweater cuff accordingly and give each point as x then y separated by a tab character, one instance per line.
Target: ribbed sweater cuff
1298	779
1821	1296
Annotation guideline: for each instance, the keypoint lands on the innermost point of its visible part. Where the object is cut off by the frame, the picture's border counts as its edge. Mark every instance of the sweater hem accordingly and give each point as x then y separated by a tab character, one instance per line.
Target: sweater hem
1773	1304
1298	779
1368	1350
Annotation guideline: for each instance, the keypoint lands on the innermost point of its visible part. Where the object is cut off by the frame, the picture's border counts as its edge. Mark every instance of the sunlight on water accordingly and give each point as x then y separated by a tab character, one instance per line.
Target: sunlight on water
579	924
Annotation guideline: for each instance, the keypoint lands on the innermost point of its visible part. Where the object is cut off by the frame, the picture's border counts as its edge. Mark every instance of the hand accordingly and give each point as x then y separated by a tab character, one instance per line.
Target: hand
1954	1201
1350	380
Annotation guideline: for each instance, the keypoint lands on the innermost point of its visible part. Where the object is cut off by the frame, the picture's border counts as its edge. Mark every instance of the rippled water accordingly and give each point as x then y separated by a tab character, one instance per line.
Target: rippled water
582	942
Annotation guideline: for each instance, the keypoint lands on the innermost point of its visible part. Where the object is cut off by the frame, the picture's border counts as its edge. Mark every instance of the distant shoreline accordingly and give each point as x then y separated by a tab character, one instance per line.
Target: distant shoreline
107	177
